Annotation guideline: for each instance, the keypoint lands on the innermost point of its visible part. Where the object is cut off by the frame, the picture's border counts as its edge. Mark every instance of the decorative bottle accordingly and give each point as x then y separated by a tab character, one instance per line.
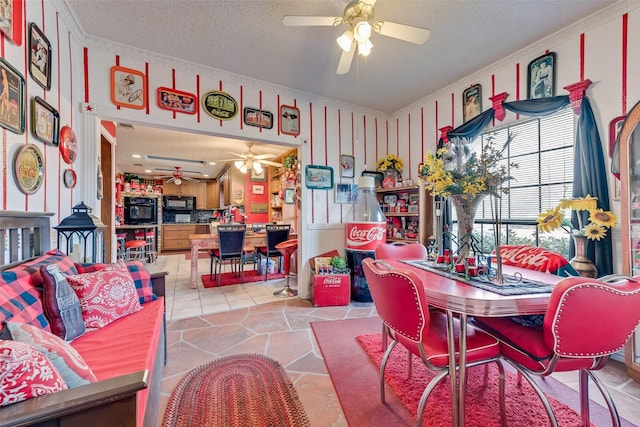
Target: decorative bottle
366	228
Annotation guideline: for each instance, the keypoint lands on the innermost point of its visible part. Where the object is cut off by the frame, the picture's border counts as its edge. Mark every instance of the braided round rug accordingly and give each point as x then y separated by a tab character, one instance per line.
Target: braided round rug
243	390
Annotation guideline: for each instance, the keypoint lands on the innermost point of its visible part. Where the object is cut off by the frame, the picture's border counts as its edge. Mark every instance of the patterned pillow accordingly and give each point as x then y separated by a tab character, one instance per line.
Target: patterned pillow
26	373
52	257
61	304
534	258
105	295
19	301
141	277
65	358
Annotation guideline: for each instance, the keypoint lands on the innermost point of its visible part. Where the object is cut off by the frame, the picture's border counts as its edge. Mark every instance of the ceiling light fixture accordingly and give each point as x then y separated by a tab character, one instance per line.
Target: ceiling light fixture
359	33
245	165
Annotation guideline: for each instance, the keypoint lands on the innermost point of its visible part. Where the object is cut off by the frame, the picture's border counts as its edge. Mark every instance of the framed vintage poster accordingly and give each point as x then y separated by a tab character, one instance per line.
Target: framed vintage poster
346	193
319	177
290	120
11	20
176	100
45	122
28	169
541	76
39	57
219	105
257	118
257	189
347	166
471	102
128	88
12	98
68	145
289	196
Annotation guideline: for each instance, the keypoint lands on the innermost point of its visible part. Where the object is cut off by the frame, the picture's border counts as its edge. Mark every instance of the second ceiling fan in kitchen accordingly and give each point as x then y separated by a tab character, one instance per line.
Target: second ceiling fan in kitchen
249	160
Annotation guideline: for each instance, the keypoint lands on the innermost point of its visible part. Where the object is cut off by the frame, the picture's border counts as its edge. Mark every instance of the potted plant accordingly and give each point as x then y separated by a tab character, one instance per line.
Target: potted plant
339	265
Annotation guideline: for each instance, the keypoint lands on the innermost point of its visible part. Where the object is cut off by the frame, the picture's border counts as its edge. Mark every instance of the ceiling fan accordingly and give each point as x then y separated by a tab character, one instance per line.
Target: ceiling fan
178	176
358	16
250	160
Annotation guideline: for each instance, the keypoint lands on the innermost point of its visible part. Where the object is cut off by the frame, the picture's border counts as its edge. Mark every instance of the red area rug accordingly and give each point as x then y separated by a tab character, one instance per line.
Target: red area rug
235	278
240	390
355	378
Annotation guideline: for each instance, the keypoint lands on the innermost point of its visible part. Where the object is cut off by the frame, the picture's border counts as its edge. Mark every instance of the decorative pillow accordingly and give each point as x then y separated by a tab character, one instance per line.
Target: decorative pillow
61	304
19	301
65	358
535	258
141	277
54	256
105	295
26	373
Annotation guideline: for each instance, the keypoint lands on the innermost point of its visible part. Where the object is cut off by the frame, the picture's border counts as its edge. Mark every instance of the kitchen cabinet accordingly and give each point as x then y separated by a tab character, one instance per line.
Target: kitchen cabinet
201	195
409	213
213	195
629	145
176	236
186	188
232	187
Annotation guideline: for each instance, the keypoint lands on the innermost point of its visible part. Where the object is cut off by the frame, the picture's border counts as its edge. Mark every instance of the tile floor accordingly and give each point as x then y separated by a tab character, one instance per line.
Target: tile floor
204	324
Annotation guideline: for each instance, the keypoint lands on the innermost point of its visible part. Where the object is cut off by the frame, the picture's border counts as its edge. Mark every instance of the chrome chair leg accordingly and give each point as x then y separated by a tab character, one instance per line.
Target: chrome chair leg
538	390
584	397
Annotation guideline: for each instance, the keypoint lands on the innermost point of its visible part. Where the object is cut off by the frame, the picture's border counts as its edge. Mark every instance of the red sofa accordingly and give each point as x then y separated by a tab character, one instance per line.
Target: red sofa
126	356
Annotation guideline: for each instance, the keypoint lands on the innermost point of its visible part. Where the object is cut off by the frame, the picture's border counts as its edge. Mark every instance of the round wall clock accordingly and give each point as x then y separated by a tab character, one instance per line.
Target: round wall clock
68	145
69	177
29	169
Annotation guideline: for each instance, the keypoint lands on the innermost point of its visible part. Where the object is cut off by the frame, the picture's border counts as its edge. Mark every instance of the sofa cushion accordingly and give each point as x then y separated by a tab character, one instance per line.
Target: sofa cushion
26	373
61	304
105	295
19	301
65	358
54	256
141	277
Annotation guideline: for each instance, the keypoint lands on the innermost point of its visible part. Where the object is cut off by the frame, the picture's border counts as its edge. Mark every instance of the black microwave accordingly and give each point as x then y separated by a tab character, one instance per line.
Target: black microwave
177	203
140	210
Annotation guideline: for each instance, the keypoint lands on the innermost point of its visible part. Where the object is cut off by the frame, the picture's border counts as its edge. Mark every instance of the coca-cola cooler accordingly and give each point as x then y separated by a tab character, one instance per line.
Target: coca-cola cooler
362	240
329	289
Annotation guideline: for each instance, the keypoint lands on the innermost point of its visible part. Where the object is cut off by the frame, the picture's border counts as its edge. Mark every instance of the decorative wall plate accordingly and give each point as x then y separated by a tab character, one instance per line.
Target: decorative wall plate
68	145
69	178
29	169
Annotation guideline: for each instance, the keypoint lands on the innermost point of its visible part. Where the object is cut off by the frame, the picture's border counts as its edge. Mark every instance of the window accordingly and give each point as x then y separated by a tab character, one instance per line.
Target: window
543	150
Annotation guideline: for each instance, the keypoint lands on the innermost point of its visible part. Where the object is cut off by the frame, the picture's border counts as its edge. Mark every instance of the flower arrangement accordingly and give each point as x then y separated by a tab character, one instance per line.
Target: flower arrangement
290	162
290	168
599	221
391	161
455	169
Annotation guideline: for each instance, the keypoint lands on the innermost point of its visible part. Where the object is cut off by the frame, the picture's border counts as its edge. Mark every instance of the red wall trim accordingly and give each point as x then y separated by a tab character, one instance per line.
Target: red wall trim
409	144
581	56
625	35
173	86
240	113
198	97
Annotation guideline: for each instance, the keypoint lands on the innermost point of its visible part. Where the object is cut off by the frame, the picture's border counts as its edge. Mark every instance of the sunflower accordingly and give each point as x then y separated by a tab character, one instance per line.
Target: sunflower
605	218
550	220
594	231
586	203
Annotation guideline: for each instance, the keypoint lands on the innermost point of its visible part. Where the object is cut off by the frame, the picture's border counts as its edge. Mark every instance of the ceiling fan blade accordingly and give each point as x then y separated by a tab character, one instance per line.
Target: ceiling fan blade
270	163
188	178
231	160
403	32
311	21
264	156
345	60
170	180
244	156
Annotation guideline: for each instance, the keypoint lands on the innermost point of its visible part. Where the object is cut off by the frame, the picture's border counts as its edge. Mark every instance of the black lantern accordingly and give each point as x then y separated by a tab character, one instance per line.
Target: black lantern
84	235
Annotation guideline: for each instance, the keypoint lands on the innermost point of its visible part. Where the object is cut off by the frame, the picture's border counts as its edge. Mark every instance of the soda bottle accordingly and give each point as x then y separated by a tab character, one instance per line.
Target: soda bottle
366	228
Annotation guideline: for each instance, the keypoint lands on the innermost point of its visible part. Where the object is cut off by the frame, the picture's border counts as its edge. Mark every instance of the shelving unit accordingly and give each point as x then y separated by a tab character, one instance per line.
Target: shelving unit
279	211
409	213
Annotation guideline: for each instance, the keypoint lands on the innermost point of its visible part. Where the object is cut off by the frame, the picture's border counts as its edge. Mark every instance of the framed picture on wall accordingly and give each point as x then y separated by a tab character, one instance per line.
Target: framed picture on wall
39	57
176	100
346	193
471	102
319	177
258	176
45	122
257	189
289	120
289	196
12	105
347	166
541	77
128	88
11	21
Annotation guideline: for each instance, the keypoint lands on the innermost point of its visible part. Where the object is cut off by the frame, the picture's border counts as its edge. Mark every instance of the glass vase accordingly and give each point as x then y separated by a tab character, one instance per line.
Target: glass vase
580	262
391	178
466	206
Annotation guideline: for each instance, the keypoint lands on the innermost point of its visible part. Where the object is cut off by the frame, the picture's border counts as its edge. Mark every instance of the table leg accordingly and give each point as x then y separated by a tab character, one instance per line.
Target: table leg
194	266
462	367
452	370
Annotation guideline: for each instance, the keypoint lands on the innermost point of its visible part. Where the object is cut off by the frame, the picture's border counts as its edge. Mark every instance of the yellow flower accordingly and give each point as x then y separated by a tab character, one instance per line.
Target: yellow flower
390	161
550	220
594	231
586	203
601	217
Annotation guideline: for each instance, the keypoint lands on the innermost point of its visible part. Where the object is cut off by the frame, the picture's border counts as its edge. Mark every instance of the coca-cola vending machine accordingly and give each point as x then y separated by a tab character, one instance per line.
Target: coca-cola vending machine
365	230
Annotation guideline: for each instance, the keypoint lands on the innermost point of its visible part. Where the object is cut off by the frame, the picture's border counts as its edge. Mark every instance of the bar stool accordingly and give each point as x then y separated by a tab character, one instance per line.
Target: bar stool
148	235
122	253
286	248
136	250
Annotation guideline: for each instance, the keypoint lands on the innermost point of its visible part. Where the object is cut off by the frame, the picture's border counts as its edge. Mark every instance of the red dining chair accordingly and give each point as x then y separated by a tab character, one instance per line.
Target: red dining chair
399	250
401	303
586	321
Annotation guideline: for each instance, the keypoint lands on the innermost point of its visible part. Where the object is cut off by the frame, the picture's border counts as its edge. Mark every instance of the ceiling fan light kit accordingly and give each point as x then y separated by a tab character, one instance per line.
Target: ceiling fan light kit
358	15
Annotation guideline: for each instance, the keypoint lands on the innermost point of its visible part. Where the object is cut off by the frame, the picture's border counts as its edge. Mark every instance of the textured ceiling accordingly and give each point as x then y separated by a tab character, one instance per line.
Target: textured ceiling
247	37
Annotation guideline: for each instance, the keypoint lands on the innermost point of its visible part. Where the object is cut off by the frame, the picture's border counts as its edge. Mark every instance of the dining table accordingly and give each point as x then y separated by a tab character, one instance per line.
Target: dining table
206	242
462	297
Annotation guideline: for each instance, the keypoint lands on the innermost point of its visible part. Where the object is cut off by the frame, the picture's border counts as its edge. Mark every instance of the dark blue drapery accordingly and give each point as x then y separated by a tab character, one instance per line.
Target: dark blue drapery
589	173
